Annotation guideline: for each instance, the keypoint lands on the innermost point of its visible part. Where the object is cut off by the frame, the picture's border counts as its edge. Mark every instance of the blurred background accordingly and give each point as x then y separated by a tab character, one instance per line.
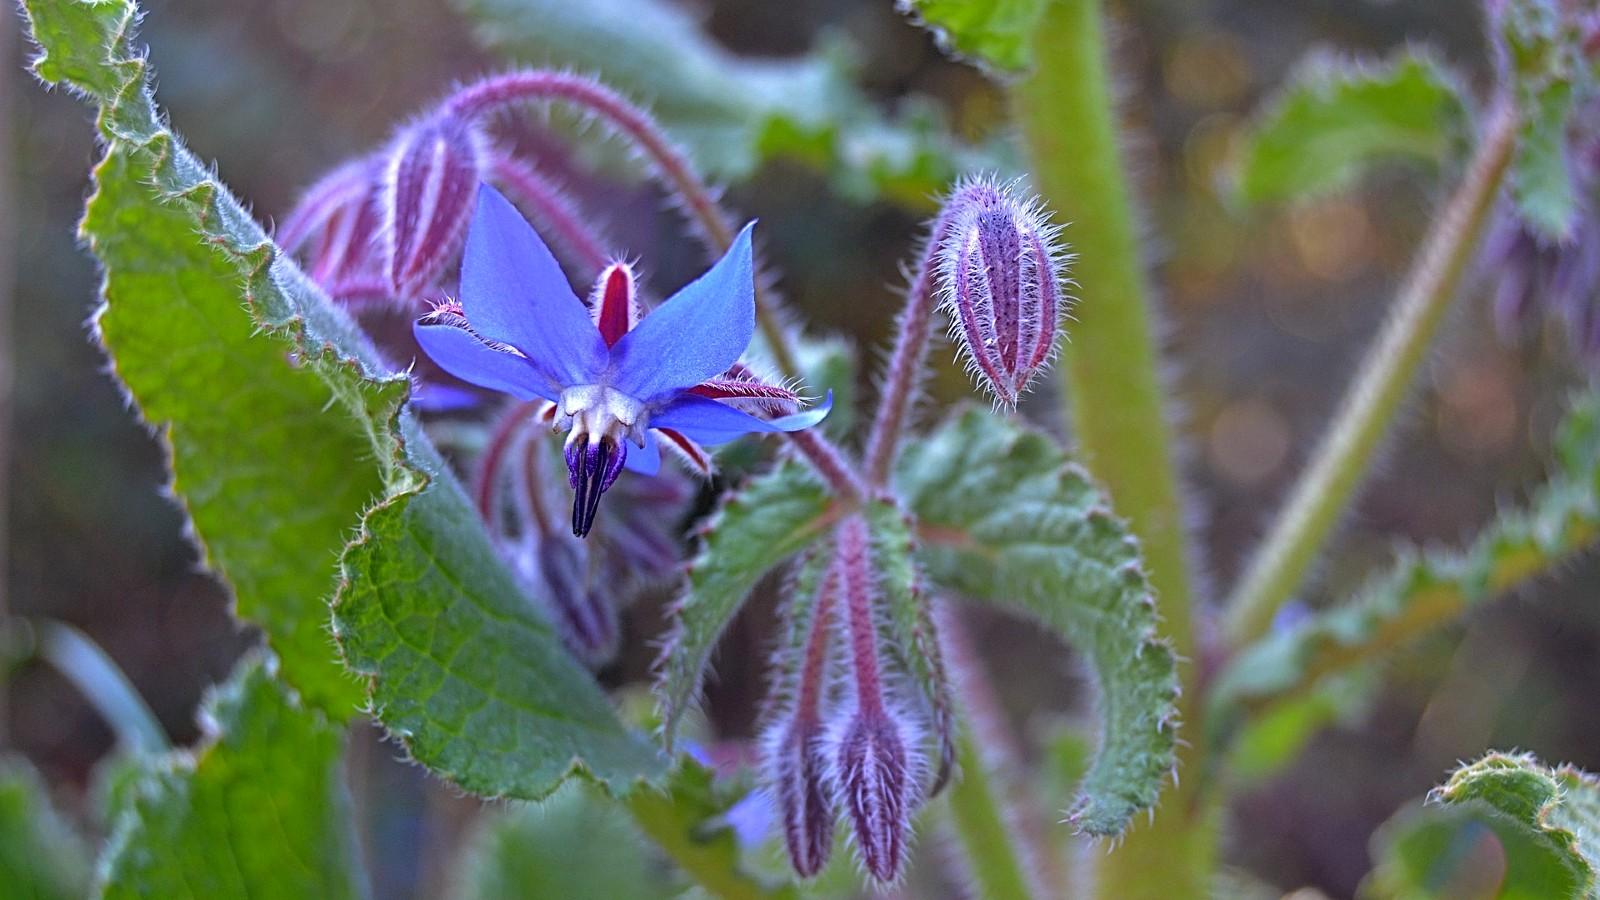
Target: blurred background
1265	317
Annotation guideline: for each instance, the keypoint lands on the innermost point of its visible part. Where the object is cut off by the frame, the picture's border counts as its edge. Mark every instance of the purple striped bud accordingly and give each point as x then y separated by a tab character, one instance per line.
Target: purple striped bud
876	776
797	768
1001	284
430	187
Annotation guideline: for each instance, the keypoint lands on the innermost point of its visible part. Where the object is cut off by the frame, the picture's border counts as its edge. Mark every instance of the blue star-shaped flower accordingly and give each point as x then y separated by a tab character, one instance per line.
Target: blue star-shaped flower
614	375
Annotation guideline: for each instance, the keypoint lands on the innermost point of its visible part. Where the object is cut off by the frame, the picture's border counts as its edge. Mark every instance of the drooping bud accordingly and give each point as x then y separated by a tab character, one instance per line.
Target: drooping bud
1001	284
586	617
430	182
334	225
797	768
795	752
875	748
876	780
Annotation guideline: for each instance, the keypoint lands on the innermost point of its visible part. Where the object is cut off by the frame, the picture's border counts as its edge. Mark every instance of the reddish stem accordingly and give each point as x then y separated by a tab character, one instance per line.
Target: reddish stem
494	452
855	566
830	463
907	362
808	698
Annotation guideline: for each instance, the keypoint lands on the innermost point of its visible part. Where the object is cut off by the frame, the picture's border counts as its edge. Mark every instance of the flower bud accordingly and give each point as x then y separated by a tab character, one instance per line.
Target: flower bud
1000	283
587	620
430	184
876	778
796	764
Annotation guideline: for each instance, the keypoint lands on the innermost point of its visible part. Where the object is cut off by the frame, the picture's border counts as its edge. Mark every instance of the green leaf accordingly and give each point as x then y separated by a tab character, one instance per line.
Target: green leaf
773	517
733	112
1005	518
287	428
1426	591
996	32
1335	121
258	810
576	843
908	631
41	856
689	820
1504	826
1550	80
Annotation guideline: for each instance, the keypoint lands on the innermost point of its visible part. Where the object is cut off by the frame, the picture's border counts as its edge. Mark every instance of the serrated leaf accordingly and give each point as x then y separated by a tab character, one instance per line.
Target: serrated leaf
908	630
577	843
259	810
1005	518
1335	121
41	856
996	32
773	517
287	427
734	112
1549	78
1426	591
1538	830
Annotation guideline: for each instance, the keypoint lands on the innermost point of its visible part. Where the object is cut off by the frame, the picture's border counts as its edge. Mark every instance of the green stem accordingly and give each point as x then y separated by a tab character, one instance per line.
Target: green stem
1112	375
994	818
1368	410
661	818
1112	364
993	858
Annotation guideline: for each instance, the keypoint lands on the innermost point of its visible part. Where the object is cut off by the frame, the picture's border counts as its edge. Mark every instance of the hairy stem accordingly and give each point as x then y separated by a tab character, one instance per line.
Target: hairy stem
994	819
667	161
907	362
855	580
1112	374
1329	483
829	462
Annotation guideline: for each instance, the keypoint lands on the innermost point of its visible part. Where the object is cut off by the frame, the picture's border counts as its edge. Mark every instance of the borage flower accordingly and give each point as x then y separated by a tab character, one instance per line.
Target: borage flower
616	375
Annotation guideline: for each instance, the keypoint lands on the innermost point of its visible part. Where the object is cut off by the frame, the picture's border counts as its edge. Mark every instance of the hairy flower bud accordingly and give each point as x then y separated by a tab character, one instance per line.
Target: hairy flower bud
586	618
1000	283
430	187
796	769
876	777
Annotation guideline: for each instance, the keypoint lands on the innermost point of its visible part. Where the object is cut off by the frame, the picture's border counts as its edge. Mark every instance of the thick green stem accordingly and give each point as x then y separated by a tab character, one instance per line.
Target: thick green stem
1112	373
1112	367
1382	382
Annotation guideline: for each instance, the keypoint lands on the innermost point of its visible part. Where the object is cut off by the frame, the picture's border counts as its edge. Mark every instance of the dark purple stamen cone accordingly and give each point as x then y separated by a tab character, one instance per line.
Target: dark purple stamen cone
430	187
875	788
798	766
592	467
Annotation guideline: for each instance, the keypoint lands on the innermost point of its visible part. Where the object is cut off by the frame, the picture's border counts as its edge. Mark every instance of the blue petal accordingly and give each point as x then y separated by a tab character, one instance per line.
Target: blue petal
461	354
709	422
697	334
644	460
513	291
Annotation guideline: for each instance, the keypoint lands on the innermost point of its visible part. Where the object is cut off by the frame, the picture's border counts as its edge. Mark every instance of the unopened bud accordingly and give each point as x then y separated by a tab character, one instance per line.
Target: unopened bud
876	776
430	186
585	616
1000	283
796	763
